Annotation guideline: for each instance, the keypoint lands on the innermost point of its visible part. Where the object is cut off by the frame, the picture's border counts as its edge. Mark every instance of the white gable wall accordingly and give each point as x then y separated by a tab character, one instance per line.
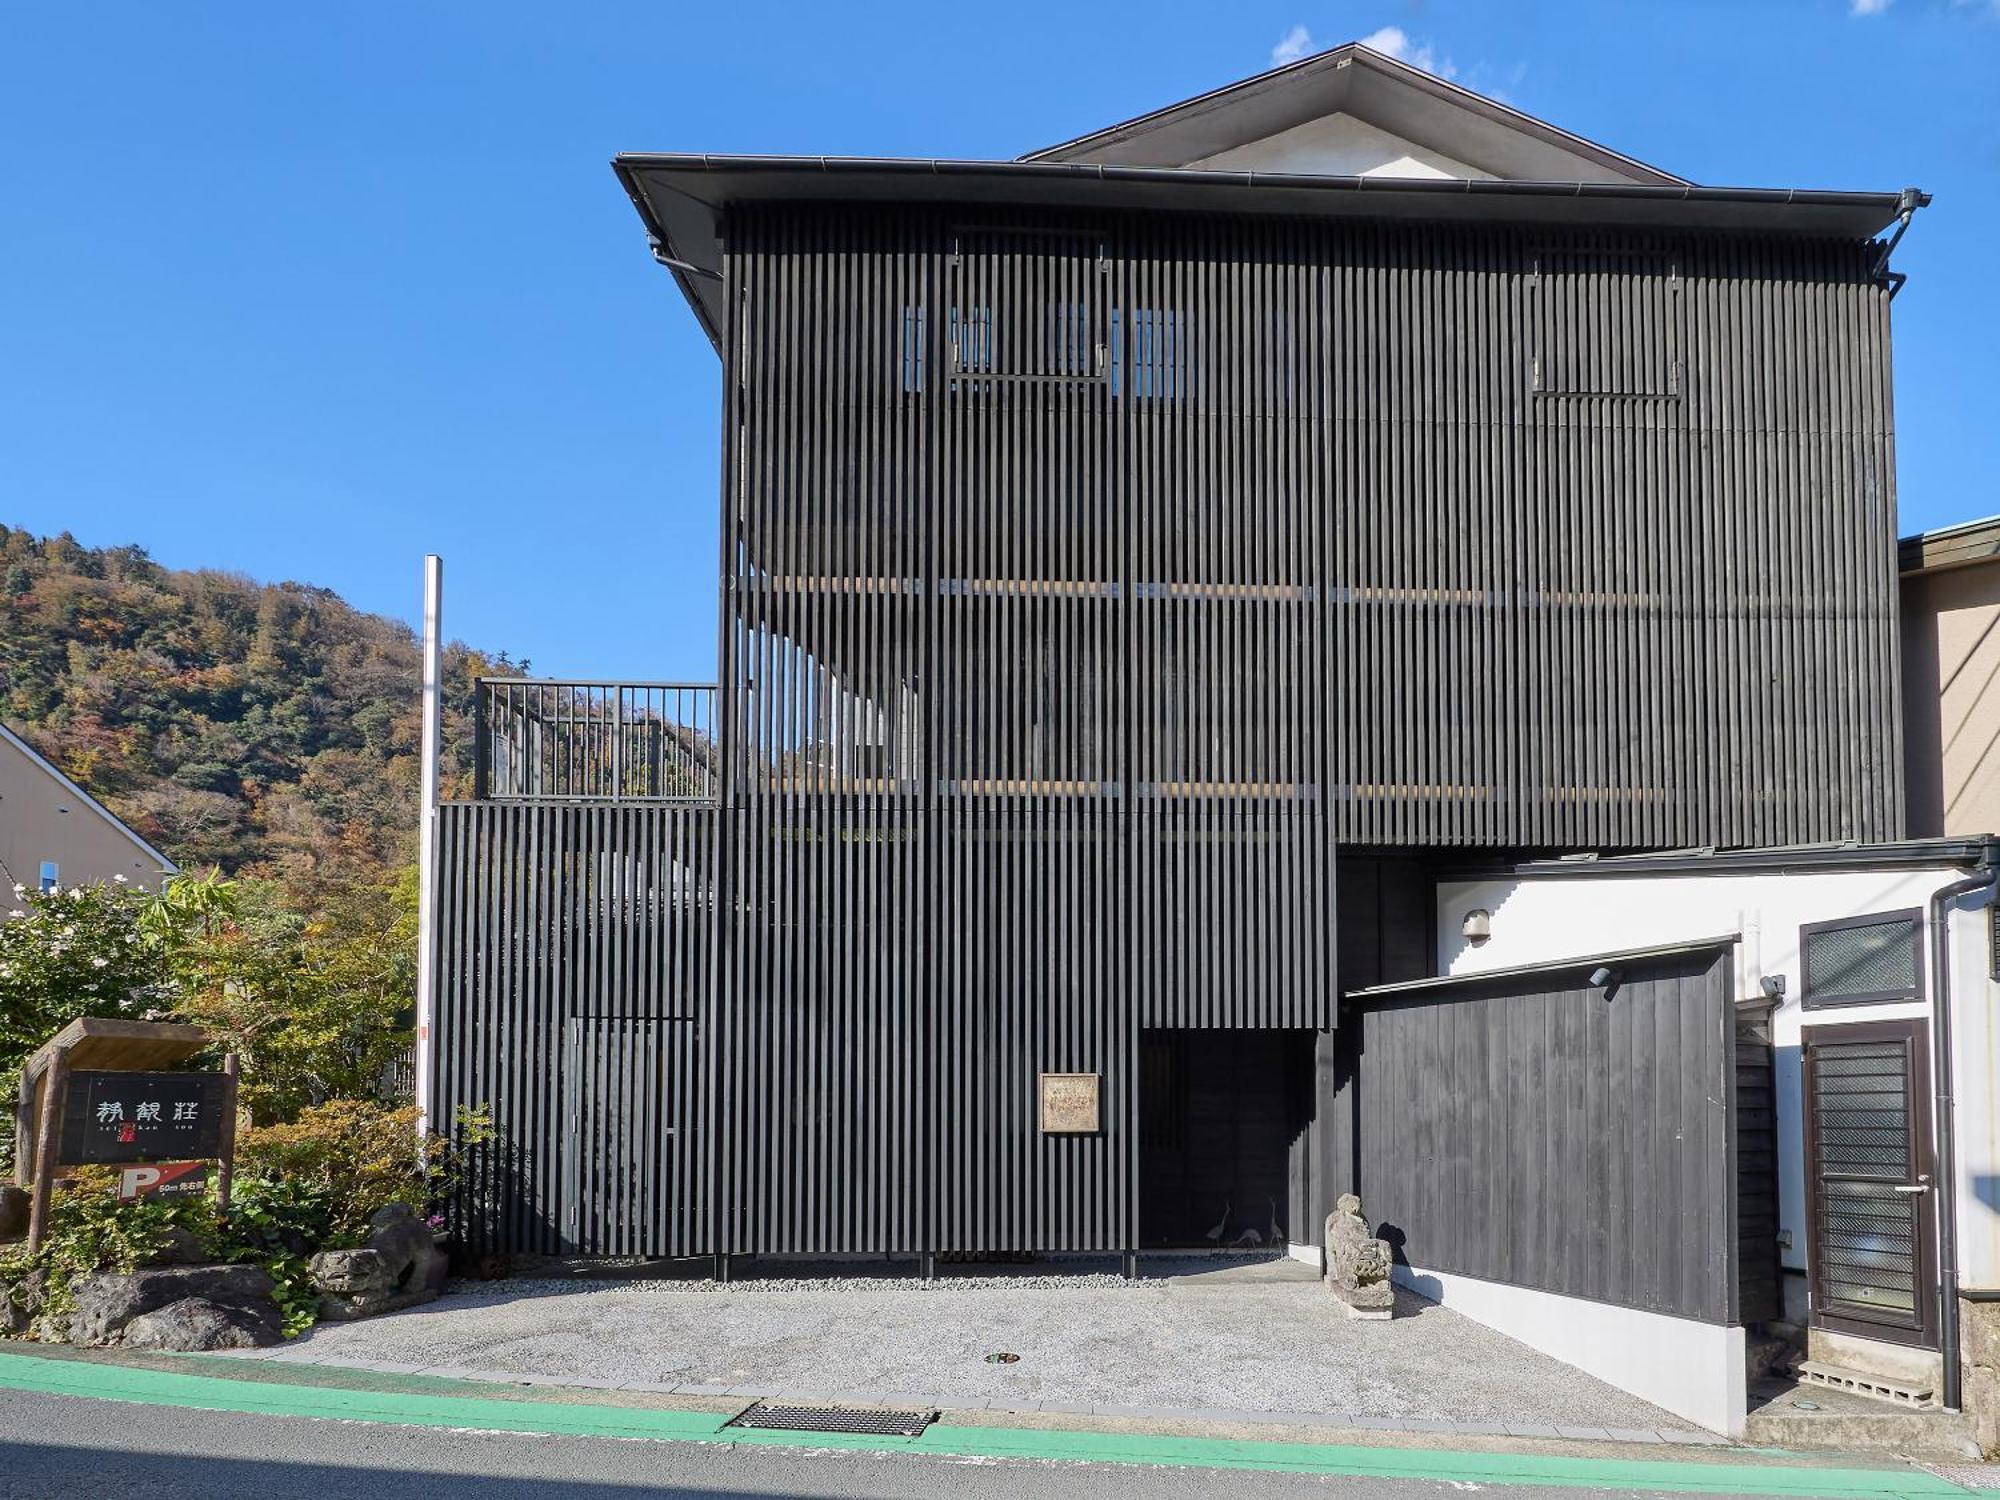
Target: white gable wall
1338	145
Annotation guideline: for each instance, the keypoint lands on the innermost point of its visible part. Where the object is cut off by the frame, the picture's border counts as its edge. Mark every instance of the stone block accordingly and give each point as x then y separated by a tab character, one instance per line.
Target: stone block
194	1324
107	1301
21	1301
1979	1332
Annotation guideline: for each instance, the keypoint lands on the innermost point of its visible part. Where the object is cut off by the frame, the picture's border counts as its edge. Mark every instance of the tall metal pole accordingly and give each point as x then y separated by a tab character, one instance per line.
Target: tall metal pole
427	798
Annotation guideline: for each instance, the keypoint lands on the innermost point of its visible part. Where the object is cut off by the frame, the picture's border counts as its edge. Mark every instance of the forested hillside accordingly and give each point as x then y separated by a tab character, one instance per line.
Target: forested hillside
270	729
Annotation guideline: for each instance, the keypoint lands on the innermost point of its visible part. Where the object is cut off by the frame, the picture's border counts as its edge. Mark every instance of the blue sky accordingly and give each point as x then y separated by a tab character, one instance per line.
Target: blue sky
308	290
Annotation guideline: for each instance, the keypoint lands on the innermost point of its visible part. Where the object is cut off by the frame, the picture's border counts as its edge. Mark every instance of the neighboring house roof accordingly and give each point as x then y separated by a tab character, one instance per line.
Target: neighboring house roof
76	793
1950	546
1357	83
1239	150
1799	858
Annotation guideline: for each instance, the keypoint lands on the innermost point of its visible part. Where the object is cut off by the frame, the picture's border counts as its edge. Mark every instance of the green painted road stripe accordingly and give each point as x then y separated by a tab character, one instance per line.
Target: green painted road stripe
116	1382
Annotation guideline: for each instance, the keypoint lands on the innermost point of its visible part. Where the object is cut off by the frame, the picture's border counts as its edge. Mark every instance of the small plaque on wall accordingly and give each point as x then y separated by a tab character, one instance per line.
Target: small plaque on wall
1069	1104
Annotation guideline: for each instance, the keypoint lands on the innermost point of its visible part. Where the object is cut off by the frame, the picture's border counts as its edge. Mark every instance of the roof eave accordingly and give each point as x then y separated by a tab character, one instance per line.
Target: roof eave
1950	547
687	227
1799	859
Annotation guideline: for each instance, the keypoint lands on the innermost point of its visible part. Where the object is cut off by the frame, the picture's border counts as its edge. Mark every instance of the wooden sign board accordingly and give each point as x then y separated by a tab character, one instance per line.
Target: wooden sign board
1070	1103
133	1117
94	1092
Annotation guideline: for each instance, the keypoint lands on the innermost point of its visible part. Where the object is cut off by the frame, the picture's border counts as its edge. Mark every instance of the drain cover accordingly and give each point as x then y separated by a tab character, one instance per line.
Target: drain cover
873	1420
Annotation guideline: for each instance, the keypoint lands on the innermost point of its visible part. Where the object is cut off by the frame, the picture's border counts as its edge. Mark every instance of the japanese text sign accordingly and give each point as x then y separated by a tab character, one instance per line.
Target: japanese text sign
124	1117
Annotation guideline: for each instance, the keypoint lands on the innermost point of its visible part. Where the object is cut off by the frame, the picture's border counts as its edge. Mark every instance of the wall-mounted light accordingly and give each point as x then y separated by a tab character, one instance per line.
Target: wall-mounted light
1478	925
1602	978
1773	986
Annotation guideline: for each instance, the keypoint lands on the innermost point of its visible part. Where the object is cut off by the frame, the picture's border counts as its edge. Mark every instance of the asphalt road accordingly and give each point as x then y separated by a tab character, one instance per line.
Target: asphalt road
60	1446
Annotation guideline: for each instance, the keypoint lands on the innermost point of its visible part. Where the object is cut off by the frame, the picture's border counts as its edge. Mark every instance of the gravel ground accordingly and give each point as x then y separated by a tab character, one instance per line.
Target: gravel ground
1253	1338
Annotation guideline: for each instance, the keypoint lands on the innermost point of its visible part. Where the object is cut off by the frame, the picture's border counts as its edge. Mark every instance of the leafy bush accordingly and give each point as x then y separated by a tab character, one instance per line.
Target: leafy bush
338	1164
302	1187
314	1006
89	1230
351	1158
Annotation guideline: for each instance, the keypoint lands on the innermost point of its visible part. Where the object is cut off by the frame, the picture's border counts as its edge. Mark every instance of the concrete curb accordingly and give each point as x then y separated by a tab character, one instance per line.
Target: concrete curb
1729	1472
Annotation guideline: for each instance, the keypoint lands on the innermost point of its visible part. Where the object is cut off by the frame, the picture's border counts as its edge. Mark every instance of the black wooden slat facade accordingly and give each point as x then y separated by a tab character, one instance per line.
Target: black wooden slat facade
575	992
1540	1132
1088	583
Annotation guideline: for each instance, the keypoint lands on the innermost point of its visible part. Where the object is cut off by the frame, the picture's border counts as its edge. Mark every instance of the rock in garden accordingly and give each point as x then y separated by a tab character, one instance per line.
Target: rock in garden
400	1266
195	1323
14	1204
107	1301
407	1243
20	1301
1357	1264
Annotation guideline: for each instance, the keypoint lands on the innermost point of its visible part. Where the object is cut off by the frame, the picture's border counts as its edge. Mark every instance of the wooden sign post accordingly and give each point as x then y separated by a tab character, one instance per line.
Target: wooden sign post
98	1091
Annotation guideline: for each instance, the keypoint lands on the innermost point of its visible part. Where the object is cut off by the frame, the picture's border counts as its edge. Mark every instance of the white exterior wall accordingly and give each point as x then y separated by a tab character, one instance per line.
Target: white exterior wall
1692	1369
1536	919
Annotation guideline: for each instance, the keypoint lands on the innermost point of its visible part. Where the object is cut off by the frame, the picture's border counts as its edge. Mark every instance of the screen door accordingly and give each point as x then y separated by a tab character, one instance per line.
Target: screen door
1869	1189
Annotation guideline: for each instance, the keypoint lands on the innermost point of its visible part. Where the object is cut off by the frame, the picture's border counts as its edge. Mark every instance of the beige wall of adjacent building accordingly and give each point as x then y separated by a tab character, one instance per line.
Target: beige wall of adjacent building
43	816
1951	699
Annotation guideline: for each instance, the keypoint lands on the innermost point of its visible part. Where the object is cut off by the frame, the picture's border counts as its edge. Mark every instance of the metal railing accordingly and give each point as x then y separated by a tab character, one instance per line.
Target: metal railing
596	742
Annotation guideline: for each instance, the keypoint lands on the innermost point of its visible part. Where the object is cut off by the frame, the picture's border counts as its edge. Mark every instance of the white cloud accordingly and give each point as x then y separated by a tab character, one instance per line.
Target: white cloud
1867	7
1292	46
1393	41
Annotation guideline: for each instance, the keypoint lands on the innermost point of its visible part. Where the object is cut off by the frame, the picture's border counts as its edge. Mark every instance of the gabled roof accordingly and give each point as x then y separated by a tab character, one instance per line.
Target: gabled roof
1464	129
1440	154
83	799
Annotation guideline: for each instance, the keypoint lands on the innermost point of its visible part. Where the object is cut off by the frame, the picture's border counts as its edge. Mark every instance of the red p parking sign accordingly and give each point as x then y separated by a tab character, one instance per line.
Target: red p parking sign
171	1179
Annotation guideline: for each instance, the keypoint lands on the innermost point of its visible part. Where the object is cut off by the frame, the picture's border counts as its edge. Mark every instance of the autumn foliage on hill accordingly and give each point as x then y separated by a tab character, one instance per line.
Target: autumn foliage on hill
269	729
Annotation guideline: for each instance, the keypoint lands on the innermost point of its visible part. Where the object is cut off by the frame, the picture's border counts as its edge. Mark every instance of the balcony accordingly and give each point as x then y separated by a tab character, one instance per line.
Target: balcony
640	742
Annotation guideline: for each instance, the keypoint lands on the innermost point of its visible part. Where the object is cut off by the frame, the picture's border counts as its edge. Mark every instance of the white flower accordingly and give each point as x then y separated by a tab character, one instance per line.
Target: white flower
118	880
98	963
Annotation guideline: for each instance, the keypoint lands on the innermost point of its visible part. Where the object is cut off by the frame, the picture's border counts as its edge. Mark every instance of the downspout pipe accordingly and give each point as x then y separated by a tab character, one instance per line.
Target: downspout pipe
1907	204
1951	1380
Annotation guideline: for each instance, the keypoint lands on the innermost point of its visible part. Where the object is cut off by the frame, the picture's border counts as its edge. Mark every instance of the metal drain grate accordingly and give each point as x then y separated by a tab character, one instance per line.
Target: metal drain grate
873	1421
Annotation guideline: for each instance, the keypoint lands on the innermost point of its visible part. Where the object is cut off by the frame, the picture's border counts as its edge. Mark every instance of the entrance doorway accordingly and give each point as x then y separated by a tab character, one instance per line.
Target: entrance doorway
1870	1193
1224	1117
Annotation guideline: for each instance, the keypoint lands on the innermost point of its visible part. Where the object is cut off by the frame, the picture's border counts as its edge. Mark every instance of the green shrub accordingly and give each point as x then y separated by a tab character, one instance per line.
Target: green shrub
299	1188
348	1158
90	1230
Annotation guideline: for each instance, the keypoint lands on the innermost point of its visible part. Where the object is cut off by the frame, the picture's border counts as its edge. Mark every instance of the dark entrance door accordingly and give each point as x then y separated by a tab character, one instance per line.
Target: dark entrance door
1869	1193
1223	1119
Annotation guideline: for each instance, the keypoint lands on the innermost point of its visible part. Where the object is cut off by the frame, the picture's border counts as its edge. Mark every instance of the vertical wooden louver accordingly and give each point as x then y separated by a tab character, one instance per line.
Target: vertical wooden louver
1089	580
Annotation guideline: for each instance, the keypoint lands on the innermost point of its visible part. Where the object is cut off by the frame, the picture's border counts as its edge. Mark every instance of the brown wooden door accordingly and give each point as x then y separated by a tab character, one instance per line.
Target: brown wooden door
1870	1194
